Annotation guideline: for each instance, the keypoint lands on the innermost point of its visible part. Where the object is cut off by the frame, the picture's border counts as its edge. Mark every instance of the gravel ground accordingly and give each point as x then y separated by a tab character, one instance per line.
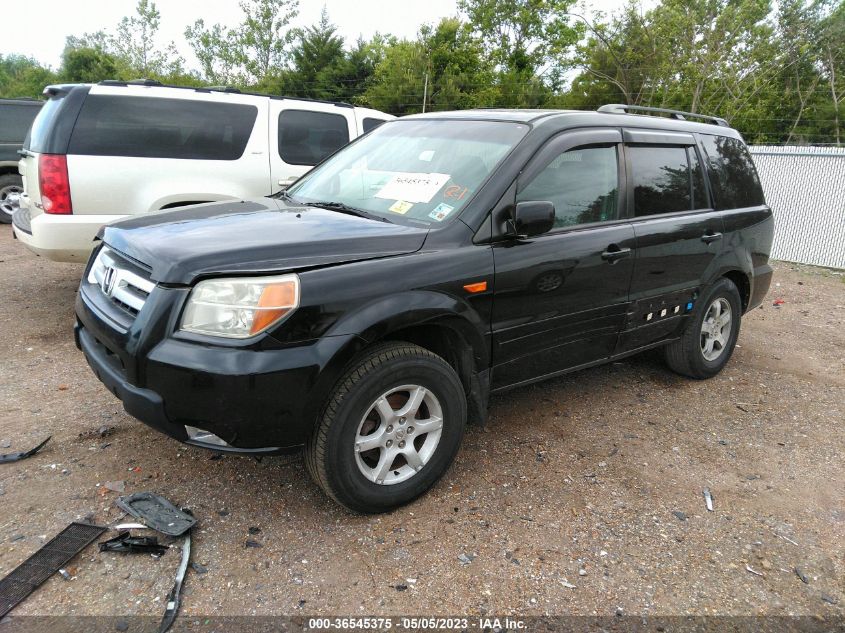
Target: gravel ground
583	495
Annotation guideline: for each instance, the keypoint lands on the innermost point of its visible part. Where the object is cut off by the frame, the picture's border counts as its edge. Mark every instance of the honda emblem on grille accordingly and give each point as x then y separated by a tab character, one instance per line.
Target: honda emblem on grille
108	281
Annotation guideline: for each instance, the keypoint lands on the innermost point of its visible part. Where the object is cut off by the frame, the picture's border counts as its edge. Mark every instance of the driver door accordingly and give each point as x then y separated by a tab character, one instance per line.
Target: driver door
560	298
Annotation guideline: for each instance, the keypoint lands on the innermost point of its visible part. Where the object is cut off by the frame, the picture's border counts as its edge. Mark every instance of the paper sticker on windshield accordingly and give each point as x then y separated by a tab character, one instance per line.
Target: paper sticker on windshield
400	206
413	187
440	212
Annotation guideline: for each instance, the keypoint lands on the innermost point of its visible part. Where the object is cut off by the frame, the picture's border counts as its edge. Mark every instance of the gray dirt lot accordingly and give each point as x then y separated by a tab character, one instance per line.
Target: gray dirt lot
600	471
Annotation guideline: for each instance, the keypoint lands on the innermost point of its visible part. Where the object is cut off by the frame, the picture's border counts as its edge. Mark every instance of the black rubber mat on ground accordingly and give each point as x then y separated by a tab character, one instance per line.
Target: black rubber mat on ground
52	556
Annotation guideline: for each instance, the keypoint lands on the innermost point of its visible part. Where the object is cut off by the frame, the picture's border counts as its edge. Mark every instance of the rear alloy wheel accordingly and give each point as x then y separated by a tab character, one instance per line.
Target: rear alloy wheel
11	188
708	341
391	428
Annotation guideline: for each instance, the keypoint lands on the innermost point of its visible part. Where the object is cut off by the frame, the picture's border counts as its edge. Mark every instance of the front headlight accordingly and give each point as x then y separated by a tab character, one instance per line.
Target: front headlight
240	307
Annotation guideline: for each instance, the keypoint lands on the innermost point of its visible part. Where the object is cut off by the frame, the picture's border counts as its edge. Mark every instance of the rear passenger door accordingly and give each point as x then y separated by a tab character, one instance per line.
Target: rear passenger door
561	298
304	133
678	233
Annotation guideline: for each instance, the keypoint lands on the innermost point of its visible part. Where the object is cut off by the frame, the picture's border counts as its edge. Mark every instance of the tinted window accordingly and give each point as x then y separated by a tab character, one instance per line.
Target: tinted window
732	174
15	121
370	124
37	137
582	183
661	179
162	128
306	138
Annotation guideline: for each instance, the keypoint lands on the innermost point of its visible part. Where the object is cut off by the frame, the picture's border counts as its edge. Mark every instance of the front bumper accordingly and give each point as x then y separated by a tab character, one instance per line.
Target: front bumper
258	400
61	238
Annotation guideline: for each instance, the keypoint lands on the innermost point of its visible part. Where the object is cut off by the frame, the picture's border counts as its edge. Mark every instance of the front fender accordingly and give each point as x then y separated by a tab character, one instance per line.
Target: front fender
379	318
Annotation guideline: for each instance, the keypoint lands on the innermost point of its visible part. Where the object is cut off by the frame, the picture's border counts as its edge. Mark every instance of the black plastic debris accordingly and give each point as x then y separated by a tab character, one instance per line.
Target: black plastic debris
125	542
157	512
15	457
52	557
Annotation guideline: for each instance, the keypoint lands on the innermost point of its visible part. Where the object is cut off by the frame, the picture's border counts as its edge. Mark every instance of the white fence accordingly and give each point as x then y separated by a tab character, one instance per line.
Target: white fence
805	186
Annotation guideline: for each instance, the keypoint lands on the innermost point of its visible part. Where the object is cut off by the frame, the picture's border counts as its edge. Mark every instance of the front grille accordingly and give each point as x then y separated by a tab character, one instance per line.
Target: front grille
125	284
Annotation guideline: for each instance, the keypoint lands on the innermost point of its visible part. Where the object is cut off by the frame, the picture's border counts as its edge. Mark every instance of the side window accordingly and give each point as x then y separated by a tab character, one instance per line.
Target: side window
148	127
661	179
699	192
306	138
583	184
732	173
369	124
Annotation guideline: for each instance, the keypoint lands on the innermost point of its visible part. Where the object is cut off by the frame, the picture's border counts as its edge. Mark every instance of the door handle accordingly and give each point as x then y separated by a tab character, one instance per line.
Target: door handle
614	253
708	238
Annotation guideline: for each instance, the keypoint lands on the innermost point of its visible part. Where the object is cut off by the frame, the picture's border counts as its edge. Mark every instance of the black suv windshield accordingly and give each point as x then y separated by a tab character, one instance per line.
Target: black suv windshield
421	170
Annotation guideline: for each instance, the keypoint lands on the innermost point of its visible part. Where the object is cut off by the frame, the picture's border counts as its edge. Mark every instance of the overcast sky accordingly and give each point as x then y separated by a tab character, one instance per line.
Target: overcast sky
37	28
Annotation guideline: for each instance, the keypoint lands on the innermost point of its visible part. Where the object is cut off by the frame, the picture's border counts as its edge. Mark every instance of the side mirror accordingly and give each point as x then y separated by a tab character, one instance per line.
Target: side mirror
533	217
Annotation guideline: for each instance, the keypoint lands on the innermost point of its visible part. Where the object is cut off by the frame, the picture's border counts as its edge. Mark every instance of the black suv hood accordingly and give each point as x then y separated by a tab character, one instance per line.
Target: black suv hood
262	235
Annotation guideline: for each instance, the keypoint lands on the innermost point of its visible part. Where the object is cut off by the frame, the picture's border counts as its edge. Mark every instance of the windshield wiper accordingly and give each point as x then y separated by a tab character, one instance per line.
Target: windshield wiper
340	207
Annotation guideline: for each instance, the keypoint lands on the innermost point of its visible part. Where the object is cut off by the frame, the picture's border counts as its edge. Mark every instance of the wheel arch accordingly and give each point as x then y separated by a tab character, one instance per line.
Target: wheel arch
742	281
434	321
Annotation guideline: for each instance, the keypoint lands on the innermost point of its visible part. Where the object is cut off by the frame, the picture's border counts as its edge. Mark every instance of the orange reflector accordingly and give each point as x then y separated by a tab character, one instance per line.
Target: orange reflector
480	286
277	300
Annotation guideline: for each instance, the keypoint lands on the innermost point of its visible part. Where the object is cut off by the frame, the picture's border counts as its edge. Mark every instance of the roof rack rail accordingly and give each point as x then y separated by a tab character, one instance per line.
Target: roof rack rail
621	108
223	89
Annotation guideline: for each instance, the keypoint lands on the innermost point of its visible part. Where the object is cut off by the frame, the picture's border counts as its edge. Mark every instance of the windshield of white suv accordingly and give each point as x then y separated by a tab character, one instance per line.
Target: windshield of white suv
422	171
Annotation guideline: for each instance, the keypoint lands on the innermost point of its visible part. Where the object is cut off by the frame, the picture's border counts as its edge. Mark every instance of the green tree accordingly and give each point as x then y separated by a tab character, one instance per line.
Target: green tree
523	37
252	52
22	76
448	55
136	48
85	64
319	62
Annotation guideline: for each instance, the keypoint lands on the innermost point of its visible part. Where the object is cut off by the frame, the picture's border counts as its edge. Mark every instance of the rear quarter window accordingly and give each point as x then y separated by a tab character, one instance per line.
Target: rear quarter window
148	127
306	137
37	138
733	177
15	121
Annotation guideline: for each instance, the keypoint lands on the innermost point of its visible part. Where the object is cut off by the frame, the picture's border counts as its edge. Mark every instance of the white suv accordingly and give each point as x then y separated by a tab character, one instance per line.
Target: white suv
99	153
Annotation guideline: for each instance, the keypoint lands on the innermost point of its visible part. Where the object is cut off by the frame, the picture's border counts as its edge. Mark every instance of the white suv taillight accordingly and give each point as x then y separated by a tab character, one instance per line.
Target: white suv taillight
54	184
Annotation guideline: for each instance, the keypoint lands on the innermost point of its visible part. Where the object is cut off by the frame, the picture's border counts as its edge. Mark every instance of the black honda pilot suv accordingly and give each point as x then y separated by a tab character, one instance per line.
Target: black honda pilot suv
370	310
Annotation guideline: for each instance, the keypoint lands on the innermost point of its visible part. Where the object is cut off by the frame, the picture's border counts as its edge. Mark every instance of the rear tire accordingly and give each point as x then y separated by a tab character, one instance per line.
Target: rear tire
11	187
378	443
708	342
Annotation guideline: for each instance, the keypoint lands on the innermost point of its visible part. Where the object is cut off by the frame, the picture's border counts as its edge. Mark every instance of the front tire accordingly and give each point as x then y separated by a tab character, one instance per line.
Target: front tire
708	342
390	430
11	188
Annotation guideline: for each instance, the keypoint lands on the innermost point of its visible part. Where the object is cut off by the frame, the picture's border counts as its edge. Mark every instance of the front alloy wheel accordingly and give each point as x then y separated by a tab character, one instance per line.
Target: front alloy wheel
399	434
390	429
